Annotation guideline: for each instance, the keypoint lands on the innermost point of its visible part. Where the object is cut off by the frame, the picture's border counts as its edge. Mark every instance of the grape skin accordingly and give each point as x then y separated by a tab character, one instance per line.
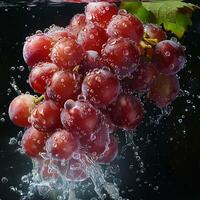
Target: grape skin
127	112
92	37
33	141
128	60
46	116
62	144
126	26
100	13
20	109
64	85
37	49
66	53
80	118
154	31
111	152
169	57
40	75
100	87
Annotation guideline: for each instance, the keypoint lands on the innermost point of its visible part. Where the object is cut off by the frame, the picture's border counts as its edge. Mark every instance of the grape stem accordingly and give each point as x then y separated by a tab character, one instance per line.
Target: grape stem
37	100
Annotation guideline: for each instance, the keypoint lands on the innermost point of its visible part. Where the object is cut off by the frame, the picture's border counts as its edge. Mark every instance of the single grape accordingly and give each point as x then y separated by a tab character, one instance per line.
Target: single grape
56	33
46	116
111	152
154	31
164	90
169	57
143	77
97	143
64	85
33	141
91	61
127	112
100	87
100	13
76	24
66	53
62	144
126	26
20	109
121	55
37	49
40	75
80	118
92	37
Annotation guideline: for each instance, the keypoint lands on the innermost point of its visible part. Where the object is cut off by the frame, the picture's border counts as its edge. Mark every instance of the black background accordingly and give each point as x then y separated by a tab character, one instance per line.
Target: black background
172	157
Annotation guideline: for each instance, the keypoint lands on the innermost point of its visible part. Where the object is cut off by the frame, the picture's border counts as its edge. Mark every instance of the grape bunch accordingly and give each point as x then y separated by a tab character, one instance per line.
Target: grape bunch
90	74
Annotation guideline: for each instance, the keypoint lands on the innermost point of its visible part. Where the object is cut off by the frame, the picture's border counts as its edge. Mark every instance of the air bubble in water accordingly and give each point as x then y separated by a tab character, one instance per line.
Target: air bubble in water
4	180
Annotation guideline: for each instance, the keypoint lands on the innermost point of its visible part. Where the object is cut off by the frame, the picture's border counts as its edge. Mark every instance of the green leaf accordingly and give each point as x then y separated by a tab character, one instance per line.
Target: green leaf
175	15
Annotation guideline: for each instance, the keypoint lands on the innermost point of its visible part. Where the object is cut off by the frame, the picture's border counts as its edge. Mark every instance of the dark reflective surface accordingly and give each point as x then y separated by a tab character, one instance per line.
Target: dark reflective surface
171	157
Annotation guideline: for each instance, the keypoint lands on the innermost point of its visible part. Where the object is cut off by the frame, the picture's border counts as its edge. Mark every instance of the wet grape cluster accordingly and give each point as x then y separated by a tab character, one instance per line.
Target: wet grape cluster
90	75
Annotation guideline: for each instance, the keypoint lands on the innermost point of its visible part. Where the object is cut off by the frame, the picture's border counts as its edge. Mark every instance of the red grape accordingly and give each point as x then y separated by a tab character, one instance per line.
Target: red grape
100	13
164	90
111	153
127	26
33	141
76	24
143	77
80	117
154	31
92	37
40	76
169	57
91	61
56	33
37	49
20	109
64	85
67	53
62	144
46	116
100	87
122	55
97	143
127	112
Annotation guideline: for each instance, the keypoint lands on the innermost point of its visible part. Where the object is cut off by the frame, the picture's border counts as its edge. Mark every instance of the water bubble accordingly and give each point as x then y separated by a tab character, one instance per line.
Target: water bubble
4	180
21	68
2	119
13	141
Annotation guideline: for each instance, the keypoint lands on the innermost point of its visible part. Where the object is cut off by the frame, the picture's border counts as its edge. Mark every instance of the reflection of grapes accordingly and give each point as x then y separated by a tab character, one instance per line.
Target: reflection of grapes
91	74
